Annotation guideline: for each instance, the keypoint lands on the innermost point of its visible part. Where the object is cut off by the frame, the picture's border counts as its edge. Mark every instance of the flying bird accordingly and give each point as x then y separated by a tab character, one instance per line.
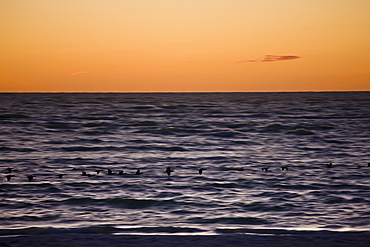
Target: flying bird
201	170
87	175
110	172
169	170
98	171
265	169
9	169
8	177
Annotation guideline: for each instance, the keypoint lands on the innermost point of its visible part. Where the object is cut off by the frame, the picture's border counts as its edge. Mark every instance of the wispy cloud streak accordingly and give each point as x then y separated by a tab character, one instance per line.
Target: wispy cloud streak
273	58
79	72
269	58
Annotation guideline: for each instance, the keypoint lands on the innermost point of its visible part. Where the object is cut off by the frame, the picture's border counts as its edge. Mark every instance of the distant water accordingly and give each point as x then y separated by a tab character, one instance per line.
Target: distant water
49	134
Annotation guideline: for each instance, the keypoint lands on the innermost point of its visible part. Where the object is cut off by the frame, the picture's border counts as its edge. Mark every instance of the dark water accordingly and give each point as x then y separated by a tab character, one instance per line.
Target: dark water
49	134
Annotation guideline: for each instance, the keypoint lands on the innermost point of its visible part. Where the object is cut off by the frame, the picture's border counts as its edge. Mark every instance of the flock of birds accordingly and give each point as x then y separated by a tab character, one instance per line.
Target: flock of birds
168	170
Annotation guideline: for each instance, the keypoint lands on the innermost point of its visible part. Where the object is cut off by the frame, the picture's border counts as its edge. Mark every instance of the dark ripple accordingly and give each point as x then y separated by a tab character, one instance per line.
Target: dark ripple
13	116
232	220
119	202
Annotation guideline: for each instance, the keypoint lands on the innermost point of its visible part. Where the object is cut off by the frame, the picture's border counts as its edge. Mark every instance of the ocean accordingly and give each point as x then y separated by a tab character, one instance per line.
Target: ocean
234	136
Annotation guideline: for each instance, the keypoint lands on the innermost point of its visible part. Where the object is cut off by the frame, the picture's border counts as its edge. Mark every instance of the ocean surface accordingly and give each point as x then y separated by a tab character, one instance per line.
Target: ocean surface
232	135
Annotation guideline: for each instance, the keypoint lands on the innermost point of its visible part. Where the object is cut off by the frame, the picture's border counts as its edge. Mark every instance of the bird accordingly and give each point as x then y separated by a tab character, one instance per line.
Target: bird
110	172
98	171
201	170
30	177
9	169
330	165
265	169
87	175
138	172
240	169
8	177
284	168
169	170
119	173
60	175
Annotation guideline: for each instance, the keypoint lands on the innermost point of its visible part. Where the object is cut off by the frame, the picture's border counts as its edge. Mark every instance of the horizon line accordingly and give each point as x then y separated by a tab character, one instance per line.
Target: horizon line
292	91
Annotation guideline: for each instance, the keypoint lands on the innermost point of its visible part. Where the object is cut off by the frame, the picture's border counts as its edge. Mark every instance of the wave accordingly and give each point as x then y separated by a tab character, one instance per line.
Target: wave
257	115
21	150
91	149
301	131
232	221
119	202
225	133
275	127
98	229
59	125
145	123
13	116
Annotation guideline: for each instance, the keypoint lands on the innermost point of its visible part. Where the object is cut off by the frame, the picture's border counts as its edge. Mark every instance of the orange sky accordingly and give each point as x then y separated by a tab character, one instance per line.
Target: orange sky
184	45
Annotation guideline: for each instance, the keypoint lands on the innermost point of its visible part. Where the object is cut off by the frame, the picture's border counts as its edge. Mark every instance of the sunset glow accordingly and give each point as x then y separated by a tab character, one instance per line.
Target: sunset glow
184	46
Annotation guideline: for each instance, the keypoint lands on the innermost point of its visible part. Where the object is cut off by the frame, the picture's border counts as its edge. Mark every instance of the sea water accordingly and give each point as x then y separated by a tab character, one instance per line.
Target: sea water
232	135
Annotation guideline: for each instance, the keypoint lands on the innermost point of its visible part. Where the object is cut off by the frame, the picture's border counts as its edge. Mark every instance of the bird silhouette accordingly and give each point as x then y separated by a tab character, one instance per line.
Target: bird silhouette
30	177
138	172
8	177
201	170
60	175
110	172
284	168
9	169
169	170
330	165
265	169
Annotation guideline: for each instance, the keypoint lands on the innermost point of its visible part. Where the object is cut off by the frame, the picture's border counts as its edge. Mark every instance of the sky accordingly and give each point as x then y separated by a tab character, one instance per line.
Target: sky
184	45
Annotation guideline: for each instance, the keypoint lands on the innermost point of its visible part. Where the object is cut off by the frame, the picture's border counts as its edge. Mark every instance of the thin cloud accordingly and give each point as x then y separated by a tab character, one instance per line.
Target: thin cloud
269	58
80	72
273	58
246	61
